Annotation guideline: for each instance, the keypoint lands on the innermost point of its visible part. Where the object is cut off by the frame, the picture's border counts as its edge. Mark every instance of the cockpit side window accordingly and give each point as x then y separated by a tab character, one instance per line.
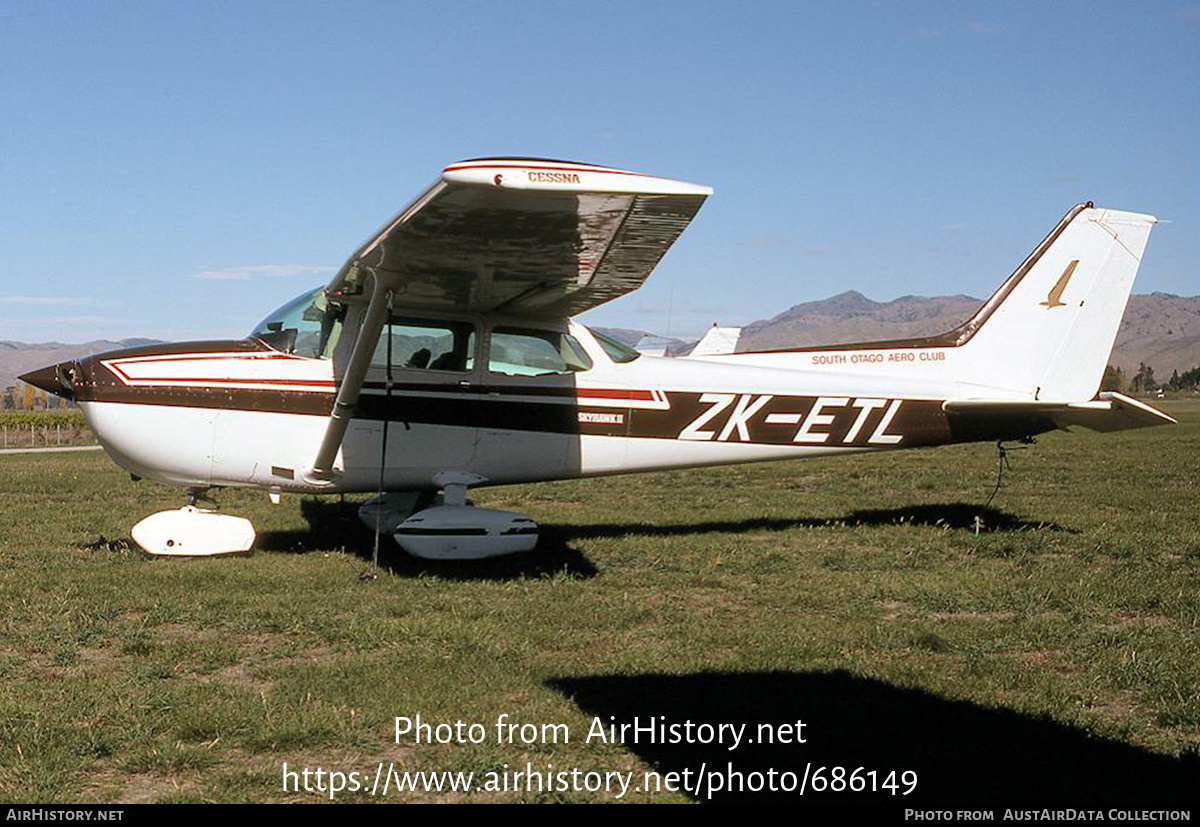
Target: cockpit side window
520	352
425	344
309	325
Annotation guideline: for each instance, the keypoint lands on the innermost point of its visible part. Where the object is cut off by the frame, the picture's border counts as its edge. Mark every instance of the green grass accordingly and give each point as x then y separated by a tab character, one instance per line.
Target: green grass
852	592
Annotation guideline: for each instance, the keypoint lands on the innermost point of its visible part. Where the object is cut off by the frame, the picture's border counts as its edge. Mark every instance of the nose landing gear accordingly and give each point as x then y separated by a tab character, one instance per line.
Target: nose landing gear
196	530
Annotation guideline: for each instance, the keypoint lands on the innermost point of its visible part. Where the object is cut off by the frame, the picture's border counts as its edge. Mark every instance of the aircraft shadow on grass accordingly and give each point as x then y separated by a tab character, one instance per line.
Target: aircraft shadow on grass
964	754
334	524
944	515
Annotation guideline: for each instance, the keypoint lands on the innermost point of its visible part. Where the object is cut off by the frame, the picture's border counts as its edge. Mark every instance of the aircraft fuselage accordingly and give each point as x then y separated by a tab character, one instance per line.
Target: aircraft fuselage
239	413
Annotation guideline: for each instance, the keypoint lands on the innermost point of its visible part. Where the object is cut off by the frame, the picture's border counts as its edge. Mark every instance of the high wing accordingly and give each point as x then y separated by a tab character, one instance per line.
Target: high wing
527	237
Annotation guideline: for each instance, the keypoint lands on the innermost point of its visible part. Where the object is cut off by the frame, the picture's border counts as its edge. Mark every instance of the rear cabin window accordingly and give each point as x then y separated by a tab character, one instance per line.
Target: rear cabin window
426	345
518	352
619	353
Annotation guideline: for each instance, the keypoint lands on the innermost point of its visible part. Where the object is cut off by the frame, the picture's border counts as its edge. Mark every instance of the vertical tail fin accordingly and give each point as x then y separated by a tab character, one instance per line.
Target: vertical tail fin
717	341
1049	329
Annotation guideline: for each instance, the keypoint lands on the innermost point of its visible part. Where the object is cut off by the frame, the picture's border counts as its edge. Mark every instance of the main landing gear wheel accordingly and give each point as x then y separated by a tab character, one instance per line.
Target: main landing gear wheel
464	532
456	530
196	530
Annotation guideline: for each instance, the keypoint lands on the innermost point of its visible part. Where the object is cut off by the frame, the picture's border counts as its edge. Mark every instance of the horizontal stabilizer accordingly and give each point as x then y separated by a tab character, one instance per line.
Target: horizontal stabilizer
1109	412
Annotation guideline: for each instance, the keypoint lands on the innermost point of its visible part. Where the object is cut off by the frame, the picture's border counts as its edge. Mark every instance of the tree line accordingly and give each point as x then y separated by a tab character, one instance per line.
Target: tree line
24	397
1143	380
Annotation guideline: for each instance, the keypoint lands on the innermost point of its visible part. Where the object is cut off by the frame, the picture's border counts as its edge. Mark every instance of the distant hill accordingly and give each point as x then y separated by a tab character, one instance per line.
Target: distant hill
852	317
21	357
1161	329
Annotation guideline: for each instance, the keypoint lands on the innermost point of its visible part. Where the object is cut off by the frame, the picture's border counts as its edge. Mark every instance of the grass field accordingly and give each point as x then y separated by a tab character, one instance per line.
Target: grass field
1057	652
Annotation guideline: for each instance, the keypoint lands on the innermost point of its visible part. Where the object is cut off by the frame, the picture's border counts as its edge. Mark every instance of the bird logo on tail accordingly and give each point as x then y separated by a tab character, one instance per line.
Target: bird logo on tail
1055	294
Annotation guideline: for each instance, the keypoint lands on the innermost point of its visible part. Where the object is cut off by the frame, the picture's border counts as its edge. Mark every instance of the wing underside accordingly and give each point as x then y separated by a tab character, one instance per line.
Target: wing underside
527	237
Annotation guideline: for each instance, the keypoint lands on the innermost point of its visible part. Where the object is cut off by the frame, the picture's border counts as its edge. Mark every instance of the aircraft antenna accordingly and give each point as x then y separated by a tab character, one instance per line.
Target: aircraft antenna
670	308
372	571
1001	463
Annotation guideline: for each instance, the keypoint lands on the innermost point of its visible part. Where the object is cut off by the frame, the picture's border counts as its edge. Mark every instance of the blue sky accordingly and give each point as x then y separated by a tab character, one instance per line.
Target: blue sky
176	169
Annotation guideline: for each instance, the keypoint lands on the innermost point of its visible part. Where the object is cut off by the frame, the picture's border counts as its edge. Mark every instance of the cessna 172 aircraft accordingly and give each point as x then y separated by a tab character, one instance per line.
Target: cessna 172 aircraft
443	356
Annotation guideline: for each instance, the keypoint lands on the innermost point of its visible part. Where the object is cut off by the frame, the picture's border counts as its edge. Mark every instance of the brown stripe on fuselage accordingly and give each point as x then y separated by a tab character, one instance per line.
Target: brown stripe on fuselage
188	348
917	422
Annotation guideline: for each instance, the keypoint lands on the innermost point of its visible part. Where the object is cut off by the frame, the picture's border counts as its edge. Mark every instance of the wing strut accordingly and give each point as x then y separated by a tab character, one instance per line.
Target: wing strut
351	385
373	570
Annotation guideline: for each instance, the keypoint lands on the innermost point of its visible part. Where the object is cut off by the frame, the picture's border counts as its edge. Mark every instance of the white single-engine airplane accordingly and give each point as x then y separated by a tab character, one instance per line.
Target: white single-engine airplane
452	324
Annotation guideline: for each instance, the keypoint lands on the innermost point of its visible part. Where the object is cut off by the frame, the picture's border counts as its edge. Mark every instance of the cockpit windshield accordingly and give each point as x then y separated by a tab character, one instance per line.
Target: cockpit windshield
307	326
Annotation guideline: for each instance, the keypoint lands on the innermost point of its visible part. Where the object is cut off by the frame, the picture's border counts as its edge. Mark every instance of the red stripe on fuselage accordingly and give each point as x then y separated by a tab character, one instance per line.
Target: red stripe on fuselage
557	169
614	393
116	365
